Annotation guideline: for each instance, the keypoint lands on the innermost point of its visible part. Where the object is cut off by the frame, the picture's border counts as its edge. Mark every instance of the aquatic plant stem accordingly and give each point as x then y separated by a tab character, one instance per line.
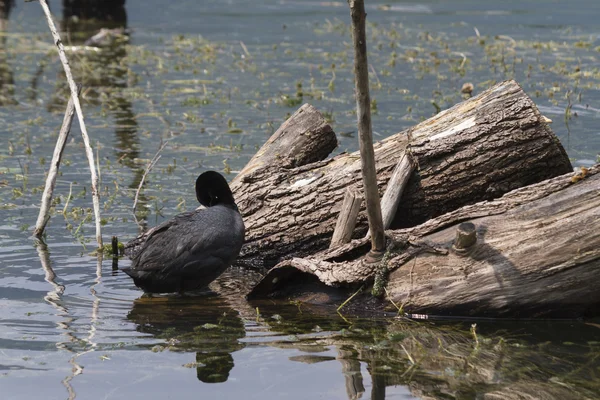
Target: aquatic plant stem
86	140
363	112
44	215
350	298
148	168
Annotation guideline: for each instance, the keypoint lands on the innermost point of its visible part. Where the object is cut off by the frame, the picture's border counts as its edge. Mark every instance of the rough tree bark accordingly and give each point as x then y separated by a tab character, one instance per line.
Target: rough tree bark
537	250
477	150
537	259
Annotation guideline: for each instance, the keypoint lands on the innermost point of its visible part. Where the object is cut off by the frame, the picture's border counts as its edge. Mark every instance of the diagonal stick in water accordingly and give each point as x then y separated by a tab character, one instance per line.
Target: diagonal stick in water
44	214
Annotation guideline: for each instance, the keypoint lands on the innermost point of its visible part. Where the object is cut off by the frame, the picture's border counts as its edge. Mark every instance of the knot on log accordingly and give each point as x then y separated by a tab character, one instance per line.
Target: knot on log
466	237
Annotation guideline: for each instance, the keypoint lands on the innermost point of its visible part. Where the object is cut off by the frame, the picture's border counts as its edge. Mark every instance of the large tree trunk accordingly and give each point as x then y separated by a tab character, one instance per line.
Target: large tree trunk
477	150
537	254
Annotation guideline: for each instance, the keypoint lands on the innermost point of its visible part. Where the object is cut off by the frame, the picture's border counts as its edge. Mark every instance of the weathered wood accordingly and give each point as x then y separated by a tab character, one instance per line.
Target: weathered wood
303	138
466	237
395	187
346	221
537	259
537	250
365	135
477	150
61	141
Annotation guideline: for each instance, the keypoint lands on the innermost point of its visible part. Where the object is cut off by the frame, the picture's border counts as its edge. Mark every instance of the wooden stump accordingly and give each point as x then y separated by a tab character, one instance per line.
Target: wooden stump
477	150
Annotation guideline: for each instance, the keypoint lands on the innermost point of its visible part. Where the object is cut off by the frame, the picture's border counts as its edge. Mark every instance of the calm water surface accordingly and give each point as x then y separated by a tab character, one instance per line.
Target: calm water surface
216	78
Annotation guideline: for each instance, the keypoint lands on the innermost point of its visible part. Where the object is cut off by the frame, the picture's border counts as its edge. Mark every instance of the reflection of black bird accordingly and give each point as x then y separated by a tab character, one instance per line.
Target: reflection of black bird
213	367
192	249
204	323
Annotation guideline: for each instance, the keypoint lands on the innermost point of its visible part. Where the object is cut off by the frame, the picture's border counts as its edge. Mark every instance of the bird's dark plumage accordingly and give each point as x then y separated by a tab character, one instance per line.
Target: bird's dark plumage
191	249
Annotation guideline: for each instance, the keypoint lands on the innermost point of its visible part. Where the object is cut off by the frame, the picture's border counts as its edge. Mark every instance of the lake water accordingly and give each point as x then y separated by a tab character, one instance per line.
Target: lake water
216	78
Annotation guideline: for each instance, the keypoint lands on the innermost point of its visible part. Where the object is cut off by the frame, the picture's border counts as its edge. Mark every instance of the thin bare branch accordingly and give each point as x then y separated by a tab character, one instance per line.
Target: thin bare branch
148	169
86	140
44	214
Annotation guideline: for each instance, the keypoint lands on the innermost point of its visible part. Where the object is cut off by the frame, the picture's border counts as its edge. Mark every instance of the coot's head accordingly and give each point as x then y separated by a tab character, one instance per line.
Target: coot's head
212	189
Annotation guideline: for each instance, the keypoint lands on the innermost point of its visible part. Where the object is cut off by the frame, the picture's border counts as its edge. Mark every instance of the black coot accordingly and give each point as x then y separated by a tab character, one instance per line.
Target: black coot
191	249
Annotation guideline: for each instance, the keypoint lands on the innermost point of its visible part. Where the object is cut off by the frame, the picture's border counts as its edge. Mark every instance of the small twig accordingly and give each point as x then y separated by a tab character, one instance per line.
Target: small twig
376	76
464	58
68	199
245	49
331	84
350	298
148	168
399	308
84	134
506	37
411	277
474	333
407	354
83	221
98	162
344	318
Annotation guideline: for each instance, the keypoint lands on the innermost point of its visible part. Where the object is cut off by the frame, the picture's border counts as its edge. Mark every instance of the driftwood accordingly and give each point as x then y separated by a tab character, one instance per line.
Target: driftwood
63	134
537	254
477	150
346	221
391	198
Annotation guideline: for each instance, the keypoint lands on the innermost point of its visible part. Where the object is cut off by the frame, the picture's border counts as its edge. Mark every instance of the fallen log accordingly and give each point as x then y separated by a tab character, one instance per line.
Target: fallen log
537	253
538	259
478	150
